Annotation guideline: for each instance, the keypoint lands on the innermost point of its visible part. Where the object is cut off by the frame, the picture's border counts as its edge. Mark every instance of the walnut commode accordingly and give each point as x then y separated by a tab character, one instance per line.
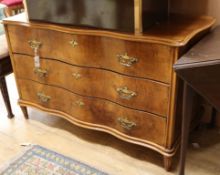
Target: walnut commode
118	83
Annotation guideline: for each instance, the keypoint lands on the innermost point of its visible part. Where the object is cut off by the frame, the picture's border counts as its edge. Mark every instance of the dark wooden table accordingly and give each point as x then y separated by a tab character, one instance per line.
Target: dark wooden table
200	70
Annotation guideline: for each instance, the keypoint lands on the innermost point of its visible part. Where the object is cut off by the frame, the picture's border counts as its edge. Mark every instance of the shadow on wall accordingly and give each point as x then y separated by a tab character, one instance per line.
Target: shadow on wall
191	7
197	7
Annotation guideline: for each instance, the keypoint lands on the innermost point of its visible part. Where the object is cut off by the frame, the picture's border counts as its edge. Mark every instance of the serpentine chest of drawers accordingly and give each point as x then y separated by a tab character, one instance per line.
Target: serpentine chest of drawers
119	83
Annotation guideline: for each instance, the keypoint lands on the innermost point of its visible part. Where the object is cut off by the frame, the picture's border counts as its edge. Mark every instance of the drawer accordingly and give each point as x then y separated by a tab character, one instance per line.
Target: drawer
122	121
132	58
136	93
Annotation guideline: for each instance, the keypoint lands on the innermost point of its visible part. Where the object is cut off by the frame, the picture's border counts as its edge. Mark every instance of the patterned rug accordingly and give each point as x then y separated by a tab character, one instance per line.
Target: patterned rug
41	161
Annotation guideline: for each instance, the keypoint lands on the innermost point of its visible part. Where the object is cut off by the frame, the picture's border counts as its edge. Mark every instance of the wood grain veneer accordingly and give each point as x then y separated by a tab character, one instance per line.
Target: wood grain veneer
104	83
154	61
99	112
96	57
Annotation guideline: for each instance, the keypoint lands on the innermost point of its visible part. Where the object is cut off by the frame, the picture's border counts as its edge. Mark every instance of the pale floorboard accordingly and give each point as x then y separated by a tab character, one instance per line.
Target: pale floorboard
97	149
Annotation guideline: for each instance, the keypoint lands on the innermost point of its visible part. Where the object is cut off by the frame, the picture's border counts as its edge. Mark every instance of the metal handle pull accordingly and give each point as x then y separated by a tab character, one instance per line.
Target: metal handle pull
43	98
125	123
35	45
125	93
125	60
73	43
40	72
76	76
80	103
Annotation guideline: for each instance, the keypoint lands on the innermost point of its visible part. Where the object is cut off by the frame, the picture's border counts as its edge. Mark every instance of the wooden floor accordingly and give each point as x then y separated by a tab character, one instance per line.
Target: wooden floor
98	149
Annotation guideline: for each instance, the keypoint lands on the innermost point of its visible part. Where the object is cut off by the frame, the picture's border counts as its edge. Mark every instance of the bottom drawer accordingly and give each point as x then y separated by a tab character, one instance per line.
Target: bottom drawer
131	124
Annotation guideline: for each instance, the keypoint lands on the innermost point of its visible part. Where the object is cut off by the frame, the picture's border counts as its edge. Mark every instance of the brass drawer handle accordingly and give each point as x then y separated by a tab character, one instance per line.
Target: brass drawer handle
80	103
125	93
43	98
125	60
73	43
40	72
126	124
35	45
76	76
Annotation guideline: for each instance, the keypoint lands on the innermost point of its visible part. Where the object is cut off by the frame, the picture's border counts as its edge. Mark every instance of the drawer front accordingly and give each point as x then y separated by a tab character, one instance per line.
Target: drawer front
127	91
124	121
138	59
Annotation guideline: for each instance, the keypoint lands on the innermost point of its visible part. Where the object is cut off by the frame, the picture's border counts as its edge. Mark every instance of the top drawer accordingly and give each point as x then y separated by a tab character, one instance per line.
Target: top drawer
132	58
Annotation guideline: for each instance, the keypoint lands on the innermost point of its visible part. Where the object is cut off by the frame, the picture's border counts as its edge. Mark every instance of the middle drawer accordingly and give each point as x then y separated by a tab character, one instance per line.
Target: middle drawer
135	93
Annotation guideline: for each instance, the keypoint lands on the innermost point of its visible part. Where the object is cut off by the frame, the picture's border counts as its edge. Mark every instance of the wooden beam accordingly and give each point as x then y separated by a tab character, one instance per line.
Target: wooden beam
138	26
25	9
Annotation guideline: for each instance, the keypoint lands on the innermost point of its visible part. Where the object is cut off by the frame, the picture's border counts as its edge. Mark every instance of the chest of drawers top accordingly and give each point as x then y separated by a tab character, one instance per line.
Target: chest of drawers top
177	31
